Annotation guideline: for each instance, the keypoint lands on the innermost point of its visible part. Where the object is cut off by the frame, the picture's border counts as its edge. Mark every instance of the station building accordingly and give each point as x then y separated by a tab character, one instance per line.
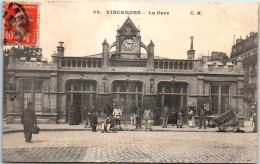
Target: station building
124	77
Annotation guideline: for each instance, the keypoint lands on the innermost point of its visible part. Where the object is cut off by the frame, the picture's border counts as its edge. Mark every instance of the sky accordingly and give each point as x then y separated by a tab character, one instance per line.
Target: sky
83	32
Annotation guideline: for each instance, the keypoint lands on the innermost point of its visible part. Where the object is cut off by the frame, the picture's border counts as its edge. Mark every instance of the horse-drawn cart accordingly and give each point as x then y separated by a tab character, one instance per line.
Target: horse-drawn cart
227	122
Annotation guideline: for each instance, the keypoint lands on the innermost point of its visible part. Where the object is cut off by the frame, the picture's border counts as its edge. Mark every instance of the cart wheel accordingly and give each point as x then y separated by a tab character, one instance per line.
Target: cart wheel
221	128
226	124
115	130
230	125
230	128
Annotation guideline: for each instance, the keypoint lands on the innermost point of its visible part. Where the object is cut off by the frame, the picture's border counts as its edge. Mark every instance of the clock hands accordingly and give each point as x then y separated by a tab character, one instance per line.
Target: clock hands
128	44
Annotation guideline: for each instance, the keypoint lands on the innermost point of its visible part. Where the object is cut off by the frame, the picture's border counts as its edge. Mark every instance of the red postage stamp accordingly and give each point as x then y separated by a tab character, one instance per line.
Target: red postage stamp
20	24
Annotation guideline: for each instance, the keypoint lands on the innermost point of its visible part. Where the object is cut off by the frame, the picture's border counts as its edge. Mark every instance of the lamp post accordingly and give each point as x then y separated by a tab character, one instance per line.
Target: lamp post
151	84
104	81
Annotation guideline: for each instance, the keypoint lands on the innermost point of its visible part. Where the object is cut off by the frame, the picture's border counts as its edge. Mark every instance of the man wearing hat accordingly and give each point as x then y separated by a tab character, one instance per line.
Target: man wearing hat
29	121
108	110
93	119
202	115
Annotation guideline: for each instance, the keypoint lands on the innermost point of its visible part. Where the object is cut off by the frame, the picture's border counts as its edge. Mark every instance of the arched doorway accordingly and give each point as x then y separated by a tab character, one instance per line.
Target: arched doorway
173	94
126	94
80	93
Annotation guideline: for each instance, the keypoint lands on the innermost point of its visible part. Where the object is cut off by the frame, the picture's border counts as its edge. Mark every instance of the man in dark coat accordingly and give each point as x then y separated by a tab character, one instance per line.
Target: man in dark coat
157	115
108	110
29	121
139	114
165	115
93	119
202	114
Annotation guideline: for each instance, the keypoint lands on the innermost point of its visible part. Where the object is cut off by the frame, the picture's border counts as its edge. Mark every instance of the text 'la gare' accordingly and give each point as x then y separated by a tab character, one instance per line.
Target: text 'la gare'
158	13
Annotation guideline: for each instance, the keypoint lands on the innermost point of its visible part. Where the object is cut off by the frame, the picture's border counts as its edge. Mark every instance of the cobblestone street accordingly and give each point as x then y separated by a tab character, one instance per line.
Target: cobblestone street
85	146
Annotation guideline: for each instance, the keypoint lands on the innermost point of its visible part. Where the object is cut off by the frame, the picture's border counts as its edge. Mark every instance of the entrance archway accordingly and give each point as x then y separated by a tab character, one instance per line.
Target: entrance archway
80	94
126	94
173	94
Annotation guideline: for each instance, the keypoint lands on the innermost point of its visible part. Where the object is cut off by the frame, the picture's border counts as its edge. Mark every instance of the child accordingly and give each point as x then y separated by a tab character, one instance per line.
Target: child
179	119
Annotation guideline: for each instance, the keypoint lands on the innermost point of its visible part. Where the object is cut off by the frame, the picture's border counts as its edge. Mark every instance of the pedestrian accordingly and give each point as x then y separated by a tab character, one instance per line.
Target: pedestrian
192	121
255	122
174	115
179	118
108	110
117	114
133	110
165	115
93	119
28	120
139	114
105	127
202	115
157	116
147	115
87	113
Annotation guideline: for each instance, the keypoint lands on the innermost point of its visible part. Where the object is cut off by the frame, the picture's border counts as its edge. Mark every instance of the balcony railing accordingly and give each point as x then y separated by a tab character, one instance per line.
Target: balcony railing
128	63
165	64
81	62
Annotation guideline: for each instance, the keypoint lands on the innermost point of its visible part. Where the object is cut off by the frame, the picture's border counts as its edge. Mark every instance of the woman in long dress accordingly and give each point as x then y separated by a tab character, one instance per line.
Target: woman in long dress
179	119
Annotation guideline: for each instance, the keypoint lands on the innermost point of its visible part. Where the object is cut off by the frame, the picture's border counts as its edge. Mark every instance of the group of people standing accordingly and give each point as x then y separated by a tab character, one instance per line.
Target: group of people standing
176	116
137	114
113	116
161	116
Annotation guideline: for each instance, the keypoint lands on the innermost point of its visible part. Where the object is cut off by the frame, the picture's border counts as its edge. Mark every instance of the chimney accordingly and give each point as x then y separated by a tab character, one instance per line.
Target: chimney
239	61
150	55
60	50
105	53
191	52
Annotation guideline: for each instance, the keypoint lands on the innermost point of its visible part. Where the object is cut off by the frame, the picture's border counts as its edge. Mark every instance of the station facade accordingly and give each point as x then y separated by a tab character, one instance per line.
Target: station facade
124	77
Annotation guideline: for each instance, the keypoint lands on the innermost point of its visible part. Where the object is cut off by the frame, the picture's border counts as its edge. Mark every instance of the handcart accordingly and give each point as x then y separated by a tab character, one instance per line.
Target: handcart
227	122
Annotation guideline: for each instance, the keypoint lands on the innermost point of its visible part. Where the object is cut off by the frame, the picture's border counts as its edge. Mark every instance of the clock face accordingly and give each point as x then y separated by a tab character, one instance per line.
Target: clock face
128	44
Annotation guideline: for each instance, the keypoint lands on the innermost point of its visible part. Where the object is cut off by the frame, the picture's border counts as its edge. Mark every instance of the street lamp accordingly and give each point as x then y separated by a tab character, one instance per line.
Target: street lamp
104	81
151	84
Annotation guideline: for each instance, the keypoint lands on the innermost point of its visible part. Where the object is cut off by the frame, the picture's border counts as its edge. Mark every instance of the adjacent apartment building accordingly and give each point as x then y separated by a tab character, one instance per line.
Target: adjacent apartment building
247	49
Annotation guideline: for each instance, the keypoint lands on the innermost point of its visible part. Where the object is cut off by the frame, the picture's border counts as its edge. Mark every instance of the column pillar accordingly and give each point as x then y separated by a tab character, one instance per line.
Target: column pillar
66	62
91	63
117	90
71	99
219	100
91	94
81	63
163	91
182	97
163	64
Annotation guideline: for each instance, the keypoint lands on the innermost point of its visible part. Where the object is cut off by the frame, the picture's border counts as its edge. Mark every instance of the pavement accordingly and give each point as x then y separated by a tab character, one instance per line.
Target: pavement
14	128
131	146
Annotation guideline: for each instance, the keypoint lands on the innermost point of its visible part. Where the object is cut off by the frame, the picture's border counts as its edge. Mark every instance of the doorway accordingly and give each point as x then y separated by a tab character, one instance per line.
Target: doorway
126	94
173	102
173	94
77	106
80	94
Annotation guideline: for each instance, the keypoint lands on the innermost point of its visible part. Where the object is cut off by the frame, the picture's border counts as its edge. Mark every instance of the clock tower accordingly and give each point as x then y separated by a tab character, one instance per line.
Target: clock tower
128	40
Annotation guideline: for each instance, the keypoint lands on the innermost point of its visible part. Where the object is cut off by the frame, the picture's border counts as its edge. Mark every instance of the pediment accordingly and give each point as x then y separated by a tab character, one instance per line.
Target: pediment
128	28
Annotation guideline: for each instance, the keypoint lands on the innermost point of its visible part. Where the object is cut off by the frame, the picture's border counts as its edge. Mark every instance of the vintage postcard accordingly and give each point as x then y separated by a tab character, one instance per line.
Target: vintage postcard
129	81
